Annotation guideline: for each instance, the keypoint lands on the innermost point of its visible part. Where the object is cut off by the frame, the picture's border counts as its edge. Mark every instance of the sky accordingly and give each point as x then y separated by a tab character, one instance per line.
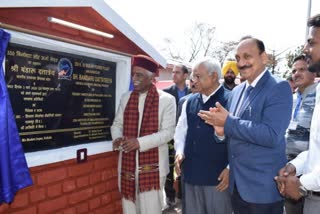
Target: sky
281	24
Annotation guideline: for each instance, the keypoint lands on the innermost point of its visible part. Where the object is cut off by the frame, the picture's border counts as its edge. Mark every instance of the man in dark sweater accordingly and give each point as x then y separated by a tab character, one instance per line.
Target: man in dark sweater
203	154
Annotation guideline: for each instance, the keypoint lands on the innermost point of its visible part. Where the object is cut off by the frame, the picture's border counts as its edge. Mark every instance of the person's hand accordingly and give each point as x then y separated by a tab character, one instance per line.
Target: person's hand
291	186
116	144
288	170
129	145
223	180
177	163
215	116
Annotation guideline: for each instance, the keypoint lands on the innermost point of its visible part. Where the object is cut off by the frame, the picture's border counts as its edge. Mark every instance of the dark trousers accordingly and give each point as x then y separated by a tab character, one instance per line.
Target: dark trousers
242	207
169	189
294	207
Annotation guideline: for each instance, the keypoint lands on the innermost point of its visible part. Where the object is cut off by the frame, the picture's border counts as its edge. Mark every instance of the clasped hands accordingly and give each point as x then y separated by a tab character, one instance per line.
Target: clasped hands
215	117
126	145
288	183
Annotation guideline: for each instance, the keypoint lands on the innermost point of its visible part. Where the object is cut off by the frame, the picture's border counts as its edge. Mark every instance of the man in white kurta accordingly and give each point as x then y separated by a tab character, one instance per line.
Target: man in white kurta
149	201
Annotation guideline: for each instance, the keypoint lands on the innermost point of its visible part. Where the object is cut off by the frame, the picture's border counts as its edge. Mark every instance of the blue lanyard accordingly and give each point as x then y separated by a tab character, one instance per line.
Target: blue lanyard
296	110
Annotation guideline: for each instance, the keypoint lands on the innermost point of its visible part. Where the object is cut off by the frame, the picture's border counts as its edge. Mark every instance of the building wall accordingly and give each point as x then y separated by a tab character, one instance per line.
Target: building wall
69	187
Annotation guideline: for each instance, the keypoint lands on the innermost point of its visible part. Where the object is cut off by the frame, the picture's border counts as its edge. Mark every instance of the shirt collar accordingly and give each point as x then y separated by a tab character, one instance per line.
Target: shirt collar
256	80
205	98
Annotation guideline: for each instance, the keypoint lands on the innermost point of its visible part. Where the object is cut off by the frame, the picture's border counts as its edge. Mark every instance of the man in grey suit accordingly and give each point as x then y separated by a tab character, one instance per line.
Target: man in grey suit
255	127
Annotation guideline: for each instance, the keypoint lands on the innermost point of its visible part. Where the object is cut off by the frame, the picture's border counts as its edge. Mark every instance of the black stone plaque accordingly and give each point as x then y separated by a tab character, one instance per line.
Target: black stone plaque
59	99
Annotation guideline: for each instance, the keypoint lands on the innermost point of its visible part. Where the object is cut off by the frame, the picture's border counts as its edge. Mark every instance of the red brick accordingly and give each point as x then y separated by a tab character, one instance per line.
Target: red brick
4	208
106	174
83	181
100	189
71	210
55	190
53	205
110	209
83	207
35	170
115	196
37	195
118	205
80	196
51	176
20	200
104	163
94	203
106	199
34	179
29	210
95	178
80	169
112	184
69	186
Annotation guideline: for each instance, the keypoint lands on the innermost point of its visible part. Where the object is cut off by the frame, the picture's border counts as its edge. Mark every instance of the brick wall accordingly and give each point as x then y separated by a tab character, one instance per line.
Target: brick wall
68	187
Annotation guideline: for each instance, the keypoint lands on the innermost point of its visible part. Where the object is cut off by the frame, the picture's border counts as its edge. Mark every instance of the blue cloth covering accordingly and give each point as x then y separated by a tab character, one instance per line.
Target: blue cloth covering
14	172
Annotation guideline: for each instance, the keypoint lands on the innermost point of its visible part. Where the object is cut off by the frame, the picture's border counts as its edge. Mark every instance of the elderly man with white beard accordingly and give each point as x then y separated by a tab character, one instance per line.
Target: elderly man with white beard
143	125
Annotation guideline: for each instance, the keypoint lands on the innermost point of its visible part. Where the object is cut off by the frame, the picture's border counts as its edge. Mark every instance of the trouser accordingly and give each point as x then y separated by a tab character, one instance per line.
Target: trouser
311	205
169	188
150	202
206	200
294	207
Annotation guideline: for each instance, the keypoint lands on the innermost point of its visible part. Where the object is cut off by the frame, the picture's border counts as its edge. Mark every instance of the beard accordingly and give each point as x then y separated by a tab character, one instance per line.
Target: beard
229	80
315	68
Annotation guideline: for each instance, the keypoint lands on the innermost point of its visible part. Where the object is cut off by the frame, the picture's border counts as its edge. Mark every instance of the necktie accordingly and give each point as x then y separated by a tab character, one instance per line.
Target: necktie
246	94
245	98
297	108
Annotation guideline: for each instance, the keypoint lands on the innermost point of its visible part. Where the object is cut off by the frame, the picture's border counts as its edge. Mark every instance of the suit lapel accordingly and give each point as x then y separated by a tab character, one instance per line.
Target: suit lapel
257	89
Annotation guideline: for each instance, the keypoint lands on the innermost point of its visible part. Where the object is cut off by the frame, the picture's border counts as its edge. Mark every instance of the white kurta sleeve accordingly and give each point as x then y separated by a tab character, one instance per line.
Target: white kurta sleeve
311	181
181	131
299	162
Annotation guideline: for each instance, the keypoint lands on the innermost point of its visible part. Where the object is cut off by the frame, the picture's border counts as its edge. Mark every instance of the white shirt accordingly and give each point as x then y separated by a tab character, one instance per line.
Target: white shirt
253	84
308	163
182	126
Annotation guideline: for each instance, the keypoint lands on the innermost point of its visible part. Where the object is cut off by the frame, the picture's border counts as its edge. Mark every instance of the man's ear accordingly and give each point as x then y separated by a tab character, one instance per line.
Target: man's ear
265	58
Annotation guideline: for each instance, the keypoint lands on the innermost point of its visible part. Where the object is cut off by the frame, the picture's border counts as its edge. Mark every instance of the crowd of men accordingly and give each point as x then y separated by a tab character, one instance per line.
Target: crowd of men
228	144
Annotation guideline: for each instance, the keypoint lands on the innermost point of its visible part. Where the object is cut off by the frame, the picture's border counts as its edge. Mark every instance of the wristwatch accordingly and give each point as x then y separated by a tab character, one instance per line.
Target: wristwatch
303	191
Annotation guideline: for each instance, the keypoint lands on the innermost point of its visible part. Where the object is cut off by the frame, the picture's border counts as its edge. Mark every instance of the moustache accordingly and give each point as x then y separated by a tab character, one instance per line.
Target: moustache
244	67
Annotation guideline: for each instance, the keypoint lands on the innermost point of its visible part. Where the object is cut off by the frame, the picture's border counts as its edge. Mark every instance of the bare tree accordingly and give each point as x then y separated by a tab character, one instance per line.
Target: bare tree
224	51
201	37
293	54
199	42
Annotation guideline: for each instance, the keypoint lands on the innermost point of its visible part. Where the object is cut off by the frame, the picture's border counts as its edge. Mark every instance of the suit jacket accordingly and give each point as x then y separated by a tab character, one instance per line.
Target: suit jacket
256	138
167	112
173	90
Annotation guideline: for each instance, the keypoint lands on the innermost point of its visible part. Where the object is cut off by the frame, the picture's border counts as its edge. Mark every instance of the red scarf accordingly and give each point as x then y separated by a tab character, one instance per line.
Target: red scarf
148	160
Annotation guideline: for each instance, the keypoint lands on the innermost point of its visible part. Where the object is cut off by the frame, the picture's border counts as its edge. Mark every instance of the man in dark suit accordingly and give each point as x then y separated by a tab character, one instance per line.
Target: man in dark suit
178	90
255	127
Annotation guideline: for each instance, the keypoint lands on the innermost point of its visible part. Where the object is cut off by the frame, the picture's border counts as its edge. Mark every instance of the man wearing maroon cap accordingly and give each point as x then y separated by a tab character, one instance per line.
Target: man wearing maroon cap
143	125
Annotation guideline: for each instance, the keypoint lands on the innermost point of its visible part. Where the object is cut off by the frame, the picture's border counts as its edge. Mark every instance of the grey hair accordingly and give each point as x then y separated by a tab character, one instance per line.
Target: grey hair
212	65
